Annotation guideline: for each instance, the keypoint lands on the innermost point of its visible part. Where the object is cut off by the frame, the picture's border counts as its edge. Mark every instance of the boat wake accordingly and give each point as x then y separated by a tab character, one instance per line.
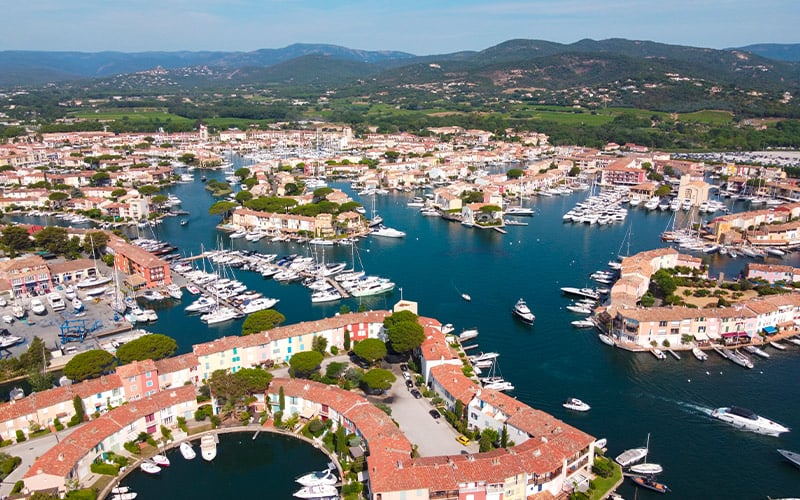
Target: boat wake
693	408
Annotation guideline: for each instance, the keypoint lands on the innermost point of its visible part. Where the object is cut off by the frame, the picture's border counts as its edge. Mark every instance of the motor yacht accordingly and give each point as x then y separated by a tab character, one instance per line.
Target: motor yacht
523	312
748	420
576	404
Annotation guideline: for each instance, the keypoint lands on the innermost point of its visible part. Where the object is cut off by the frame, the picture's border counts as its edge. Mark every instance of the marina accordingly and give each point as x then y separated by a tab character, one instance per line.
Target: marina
535	262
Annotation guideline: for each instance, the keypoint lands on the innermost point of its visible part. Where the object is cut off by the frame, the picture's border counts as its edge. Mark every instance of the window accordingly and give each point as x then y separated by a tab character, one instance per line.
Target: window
289	350
147	374
149	418
235	350
99	396
149	383
662	323
132	379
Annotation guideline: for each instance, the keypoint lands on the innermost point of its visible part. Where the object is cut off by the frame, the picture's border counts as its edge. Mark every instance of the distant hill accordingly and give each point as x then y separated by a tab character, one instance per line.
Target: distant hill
777	51
37	67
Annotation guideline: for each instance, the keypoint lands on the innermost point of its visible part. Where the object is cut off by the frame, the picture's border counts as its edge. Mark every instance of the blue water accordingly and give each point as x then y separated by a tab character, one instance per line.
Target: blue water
631	394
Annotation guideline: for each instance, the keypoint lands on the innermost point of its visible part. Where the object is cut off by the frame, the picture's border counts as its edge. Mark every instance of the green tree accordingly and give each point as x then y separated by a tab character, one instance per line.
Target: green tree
80	412
399	317
243	197
406	336
242	173
514	173
147	190
261	321
100	178
223	208
16	239
340	438
574	171
377	380
94	243
154	346
319	344
35	359
305	364
58	198
118	193
53	239
370	350
89	364
347	340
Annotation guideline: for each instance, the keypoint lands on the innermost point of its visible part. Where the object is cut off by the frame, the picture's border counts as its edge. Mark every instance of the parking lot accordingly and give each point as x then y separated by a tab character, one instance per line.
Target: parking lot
433	436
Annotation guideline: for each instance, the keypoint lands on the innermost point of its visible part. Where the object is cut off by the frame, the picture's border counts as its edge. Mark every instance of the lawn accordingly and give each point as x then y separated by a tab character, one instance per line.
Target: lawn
602	485
132	114
708	116
702	302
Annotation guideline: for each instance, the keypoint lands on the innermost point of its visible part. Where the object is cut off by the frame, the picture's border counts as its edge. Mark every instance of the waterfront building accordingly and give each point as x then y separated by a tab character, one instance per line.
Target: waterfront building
771	273
695	190
44	407
142	268
622	172
178	371
281	343
140	379
72	457
25	275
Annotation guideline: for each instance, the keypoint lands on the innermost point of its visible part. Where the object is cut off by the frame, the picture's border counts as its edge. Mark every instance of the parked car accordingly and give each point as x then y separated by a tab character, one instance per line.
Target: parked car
434	413
463	440
409	384
403	367
416	393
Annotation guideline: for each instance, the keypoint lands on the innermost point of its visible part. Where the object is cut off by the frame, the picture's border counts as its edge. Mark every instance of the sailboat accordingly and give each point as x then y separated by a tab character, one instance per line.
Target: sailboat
626	239
376	219
644	467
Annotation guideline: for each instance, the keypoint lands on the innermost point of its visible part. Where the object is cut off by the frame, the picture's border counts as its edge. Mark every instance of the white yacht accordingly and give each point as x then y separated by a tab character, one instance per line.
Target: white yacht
518	211
523	312
388	232
318	477
329	295
187	450
317	491
203	304
208	447
576	404
748	421
259	304
219	315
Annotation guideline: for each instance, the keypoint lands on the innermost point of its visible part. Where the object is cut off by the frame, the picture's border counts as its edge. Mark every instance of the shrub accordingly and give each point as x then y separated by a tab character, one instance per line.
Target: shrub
17	487
215	421
58	425
8	464
244	418
334	350
182	424
107	469
20	436
132	447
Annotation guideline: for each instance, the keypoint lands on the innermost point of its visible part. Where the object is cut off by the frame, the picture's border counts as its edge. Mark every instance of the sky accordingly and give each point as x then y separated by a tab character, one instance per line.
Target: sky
421	27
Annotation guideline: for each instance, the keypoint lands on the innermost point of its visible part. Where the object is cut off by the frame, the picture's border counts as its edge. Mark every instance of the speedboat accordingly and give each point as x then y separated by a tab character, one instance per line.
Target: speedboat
658	353
321	477
388	232
187	451
582	323
647	469
150	467
579	308
318	491
748	420
576	404
650	483
791	456
523	312
124	496
466	297
756	350
160	460
93	282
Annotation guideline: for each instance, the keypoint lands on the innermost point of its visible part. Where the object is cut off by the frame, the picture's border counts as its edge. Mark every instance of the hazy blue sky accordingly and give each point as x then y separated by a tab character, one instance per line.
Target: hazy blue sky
417	26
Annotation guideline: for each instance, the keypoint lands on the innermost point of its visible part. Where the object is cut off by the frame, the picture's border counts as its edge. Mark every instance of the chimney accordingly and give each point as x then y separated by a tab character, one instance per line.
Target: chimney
60	457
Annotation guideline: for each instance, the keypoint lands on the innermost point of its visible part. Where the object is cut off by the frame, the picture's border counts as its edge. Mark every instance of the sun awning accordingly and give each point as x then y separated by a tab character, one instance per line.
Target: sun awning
770	330
700	336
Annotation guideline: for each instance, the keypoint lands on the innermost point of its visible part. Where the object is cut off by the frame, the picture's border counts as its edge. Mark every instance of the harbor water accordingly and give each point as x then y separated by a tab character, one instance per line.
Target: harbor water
631	394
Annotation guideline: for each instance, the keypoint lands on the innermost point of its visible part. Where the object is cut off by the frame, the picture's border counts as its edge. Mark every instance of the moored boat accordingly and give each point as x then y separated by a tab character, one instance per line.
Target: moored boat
208	447
150	467
606	339
650	483
582	323
187	450
318	477
757	351
160	460
699	354
630	457
317	491
658	353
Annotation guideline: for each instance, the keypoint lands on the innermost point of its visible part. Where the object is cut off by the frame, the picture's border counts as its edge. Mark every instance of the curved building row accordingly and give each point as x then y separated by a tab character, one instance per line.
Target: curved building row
549	455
